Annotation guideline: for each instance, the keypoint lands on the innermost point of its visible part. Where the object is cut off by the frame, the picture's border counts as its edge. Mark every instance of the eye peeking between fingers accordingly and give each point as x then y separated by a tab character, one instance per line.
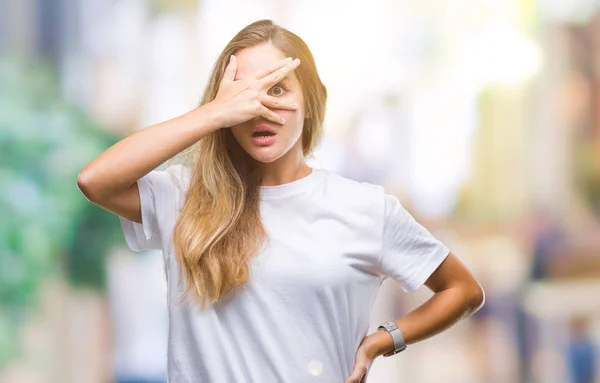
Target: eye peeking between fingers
277	90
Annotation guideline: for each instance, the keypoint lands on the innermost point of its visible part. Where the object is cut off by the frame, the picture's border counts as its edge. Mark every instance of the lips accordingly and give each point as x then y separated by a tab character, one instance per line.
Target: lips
262	131
262	135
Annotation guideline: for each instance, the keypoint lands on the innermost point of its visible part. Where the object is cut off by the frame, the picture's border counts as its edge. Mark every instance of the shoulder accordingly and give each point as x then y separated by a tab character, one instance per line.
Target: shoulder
365	190
170	177
352	185
167	185
355	191
179	175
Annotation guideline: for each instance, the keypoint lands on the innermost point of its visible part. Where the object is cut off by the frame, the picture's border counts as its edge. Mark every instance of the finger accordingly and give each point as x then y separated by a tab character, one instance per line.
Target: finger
277	103
270	115
231	69
270	69
357	375
278	75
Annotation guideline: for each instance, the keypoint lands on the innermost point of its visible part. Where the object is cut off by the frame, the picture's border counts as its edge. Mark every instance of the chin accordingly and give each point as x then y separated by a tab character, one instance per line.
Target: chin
265	156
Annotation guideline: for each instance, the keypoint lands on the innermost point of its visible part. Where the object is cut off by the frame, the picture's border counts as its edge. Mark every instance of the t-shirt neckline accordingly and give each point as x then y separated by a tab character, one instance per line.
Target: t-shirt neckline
292	188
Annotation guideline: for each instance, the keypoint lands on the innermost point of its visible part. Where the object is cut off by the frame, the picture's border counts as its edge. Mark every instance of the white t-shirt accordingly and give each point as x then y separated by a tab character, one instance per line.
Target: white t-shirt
306	308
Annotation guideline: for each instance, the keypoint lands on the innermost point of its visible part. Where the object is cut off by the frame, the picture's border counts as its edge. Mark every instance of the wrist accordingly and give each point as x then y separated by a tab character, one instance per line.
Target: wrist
210	116
380	342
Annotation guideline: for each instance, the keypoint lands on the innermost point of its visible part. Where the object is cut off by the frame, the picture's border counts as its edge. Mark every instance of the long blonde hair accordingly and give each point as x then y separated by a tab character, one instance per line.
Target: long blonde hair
219	229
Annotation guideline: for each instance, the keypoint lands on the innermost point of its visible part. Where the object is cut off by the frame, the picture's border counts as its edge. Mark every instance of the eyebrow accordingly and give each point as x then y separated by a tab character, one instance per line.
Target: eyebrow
284	80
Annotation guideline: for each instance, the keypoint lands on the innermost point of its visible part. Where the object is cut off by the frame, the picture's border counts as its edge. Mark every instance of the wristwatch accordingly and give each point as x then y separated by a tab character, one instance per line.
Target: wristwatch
397	336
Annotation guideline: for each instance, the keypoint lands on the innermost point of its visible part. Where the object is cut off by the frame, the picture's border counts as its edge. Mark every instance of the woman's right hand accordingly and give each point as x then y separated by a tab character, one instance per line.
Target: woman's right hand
109	180
238	101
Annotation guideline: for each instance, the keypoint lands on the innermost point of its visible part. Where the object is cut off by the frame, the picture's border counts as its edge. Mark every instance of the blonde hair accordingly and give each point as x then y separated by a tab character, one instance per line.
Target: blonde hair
219	229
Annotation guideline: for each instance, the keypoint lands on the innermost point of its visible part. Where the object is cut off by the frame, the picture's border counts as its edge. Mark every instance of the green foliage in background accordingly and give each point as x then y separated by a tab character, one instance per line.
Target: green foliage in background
46	225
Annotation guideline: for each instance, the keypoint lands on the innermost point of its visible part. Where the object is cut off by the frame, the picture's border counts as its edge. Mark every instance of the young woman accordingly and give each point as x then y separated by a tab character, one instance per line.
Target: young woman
279	262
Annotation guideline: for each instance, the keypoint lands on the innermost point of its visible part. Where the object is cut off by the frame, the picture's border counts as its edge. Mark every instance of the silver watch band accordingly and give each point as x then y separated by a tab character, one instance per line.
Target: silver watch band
397	336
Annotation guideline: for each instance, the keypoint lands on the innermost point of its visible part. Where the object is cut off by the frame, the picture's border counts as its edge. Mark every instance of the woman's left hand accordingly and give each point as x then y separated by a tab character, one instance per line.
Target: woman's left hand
363	360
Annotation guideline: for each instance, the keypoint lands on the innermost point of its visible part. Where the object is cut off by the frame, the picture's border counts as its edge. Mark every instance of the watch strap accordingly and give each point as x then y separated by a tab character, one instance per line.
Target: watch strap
399	344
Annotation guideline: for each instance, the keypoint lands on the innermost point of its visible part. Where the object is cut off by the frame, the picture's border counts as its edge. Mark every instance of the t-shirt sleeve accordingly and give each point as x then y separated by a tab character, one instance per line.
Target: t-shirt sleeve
160	194
410	253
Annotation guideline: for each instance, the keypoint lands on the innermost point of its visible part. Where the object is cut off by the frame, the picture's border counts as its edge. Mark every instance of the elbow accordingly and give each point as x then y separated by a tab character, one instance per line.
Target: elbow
476	297
85	184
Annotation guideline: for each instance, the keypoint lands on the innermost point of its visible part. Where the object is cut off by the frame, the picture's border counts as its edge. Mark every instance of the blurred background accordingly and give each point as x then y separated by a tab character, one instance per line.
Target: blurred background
483	116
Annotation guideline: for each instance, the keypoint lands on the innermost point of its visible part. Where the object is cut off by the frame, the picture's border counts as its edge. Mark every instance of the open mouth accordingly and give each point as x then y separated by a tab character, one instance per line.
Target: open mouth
262	134
263	137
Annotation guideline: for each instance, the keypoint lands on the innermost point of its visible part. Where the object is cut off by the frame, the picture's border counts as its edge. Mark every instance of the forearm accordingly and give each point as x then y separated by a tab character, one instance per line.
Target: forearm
441	311
131	158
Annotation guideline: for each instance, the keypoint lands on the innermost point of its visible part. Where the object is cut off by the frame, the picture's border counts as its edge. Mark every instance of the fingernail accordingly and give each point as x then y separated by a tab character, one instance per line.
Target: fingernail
283	121
297	60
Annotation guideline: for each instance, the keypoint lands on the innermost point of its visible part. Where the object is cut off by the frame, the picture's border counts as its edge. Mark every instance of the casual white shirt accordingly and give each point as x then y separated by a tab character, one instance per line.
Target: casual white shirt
306	307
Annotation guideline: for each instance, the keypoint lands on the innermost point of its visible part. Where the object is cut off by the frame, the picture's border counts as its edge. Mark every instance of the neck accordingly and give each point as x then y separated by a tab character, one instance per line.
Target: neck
288	168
